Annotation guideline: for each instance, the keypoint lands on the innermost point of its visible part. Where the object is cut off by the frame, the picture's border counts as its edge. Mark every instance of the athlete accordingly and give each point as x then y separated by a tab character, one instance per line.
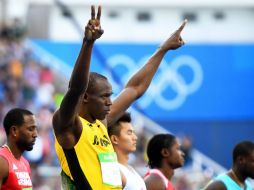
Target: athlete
21	130
124	141
84	150
243	168
164	156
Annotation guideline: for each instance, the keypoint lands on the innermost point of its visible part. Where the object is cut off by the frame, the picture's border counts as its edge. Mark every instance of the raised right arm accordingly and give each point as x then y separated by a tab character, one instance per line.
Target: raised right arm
66	116
140	81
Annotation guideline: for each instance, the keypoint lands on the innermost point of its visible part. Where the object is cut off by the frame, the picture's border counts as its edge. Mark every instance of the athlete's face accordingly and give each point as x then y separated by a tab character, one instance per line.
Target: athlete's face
99	100
248	165
176	158
127	139
26	134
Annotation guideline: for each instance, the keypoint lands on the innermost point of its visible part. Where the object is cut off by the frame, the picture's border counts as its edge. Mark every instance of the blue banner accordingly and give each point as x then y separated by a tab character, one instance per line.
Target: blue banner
196	82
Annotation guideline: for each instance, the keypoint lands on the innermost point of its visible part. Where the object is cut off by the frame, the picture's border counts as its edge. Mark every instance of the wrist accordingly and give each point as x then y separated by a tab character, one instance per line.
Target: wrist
86	41
163	50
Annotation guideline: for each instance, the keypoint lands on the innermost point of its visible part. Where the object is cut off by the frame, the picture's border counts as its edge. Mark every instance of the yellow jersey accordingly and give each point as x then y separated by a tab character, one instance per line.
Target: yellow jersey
81	163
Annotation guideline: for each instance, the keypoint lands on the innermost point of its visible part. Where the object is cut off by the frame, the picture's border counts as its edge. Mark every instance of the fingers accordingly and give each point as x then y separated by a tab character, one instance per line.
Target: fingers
100	31
181	42
92	12
182	26
99	13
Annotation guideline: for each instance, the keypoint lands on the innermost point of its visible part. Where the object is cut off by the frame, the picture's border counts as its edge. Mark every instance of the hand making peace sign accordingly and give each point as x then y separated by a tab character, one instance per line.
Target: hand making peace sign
93	29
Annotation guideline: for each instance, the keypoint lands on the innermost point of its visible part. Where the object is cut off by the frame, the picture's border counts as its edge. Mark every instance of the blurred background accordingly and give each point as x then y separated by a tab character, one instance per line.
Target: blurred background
202	93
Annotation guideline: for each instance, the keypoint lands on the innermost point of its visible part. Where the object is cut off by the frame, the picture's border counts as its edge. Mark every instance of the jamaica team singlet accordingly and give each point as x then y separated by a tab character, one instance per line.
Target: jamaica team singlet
82	164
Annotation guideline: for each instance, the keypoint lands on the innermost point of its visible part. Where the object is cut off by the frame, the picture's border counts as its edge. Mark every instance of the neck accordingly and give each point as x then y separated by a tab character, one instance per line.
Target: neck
237	178
167	171
14	150
122	157
87	117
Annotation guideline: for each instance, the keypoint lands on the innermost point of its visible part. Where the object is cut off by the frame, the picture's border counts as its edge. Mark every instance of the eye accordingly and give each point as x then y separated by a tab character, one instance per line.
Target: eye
31	129
130	132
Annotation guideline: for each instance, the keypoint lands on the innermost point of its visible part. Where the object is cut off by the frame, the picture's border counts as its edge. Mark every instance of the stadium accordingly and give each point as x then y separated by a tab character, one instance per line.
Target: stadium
201	93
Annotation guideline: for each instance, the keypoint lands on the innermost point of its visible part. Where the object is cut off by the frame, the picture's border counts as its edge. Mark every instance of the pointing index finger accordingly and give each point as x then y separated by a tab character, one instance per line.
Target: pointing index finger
92	12
99	13
183	25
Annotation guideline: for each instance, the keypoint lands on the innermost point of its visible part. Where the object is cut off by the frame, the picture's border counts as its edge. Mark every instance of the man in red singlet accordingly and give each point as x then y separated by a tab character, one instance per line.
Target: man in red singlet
164	156
20	127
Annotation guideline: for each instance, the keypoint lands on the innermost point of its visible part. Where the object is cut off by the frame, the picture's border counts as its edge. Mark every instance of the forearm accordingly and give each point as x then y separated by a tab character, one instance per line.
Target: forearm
80	74
142	79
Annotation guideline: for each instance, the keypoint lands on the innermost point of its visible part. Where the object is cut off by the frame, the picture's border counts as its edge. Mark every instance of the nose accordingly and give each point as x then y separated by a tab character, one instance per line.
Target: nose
182	153
108	102
35	133
135	137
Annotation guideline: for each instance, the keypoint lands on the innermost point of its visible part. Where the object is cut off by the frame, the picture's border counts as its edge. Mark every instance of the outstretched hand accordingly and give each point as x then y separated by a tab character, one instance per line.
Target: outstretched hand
175	40
93	29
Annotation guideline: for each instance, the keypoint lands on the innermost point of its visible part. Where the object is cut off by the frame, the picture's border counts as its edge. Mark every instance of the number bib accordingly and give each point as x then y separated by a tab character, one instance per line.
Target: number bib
110	170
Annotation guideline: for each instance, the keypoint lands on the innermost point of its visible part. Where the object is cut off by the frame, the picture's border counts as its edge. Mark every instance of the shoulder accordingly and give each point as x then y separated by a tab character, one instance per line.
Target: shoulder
69	135
3	160
5	154
4	167
215	185
61	124
155	182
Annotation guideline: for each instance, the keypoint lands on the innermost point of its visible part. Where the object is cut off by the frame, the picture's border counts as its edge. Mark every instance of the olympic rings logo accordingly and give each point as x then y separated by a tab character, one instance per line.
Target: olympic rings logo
168	77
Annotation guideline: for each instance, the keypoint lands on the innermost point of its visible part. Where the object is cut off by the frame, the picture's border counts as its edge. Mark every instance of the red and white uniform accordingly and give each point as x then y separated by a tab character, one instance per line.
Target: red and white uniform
168	184
19	176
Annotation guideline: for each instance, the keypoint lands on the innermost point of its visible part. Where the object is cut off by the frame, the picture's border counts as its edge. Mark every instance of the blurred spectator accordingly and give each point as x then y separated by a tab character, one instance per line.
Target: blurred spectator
186	146
27	84
46	75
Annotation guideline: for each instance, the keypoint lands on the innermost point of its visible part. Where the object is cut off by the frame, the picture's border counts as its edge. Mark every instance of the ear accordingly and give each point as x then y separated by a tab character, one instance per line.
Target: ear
114	139
165	152
14	130
85	97
241	160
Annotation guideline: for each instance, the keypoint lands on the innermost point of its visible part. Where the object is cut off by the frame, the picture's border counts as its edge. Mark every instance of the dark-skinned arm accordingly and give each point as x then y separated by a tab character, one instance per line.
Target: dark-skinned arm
154	182
66	116
141	80
4	170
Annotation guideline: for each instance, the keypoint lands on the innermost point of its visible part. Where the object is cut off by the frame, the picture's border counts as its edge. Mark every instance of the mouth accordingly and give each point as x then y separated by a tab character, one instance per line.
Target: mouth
107	112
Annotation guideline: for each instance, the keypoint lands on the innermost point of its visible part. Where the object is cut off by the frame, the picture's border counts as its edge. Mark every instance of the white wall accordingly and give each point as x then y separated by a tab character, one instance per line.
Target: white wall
166	16
237	26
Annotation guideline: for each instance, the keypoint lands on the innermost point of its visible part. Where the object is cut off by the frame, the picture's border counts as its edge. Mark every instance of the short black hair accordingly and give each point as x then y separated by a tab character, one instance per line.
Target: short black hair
93	77
14	117
114	129
244	148
155	146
